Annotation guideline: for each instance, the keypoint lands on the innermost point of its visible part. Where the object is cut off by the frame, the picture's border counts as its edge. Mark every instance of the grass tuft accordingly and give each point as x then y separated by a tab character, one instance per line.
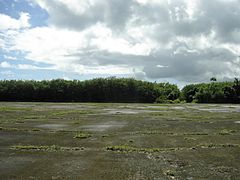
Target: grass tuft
219	145
227	132
52	148
128	149
82	135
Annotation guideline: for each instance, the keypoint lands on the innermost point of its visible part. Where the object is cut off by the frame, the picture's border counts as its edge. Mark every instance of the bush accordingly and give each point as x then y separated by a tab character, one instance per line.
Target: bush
214	92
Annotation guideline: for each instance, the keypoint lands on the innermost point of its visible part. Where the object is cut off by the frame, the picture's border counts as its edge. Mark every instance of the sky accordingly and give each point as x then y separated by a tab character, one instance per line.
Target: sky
177	41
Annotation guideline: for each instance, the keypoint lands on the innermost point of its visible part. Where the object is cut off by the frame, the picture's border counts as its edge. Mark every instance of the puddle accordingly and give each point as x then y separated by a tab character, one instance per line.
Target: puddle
155	107
64	106
215	110
121	111
127	111
224	110
218	108
23	105
52	126
178	108
104	126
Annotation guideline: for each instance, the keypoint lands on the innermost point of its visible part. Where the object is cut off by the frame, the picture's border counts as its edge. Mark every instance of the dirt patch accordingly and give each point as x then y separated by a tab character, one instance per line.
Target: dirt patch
9	164
104	126
69	106
155	107
52	126
215	110
219	108
23	106
121	111
178	108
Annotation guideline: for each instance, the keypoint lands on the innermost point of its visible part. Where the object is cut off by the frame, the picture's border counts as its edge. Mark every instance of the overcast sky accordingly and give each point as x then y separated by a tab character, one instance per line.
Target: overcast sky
181	41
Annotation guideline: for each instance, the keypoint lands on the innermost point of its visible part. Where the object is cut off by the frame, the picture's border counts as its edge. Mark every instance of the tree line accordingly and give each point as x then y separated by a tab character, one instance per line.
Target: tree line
119	90
214	92
95	90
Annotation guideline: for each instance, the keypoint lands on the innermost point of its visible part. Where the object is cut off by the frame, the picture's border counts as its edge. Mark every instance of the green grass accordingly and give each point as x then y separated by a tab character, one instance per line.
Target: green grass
10	109
169	173
45	148
128	149
82	135
212	145
227	132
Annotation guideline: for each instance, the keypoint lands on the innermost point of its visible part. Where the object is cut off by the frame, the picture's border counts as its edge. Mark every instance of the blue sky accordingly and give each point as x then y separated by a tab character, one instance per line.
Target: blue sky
157	40
39	18
12	8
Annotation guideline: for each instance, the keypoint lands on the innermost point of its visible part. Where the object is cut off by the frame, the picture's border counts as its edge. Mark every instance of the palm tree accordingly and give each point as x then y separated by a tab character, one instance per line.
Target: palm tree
213	79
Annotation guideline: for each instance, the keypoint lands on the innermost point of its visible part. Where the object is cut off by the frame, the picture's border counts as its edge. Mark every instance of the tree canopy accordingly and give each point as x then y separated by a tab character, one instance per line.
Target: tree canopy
214	92
117	90
95	90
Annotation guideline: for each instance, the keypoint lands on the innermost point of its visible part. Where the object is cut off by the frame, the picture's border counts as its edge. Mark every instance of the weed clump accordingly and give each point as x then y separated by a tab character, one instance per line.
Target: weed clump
169	173
227	132
36	148
52	148
82	135
129	149
219	145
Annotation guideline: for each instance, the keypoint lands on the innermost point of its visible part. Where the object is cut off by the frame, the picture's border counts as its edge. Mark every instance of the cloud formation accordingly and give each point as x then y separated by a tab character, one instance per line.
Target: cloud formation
184	40
6	22
7	65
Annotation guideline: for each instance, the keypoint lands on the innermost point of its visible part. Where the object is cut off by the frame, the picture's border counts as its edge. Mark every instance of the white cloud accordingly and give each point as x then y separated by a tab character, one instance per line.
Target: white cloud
68	49
1	43
8	65
5	64
31	67
7	22
9	57
95	70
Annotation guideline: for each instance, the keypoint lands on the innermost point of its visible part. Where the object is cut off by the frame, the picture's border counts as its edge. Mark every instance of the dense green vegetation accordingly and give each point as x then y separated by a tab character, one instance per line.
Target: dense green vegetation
214	92
95	90
118	90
